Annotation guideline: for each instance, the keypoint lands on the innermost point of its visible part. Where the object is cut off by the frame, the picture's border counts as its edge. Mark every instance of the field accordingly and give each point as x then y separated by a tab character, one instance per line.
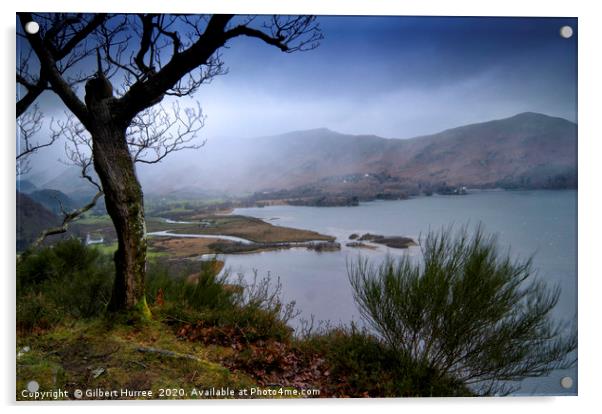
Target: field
181	247
249	228
110	248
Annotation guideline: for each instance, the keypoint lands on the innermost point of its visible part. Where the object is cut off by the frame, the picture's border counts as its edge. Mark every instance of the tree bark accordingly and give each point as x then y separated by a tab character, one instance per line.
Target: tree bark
125	205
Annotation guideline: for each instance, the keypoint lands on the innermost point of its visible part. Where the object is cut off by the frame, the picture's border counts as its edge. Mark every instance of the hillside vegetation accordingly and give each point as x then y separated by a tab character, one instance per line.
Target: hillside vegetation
32	218
528	150
206	333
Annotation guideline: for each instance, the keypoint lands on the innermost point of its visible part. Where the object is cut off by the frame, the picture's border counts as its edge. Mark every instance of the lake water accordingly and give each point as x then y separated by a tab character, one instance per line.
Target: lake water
539	223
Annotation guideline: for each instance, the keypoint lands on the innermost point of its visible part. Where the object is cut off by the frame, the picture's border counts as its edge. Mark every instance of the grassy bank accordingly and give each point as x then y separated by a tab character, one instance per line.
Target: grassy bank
95	354
207	331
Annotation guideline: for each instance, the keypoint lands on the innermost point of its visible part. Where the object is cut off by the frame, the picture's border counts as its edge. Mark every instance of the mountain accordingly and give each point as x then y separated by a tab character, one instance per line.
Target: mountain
53	200
32	218
70	182
25	186
528	150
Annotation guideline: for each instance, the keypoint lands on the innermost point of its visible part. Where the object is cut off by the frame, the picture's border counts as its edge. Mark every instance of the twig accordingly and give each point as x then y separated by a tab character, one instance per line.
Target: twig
167	353
105	354
138	363
66	221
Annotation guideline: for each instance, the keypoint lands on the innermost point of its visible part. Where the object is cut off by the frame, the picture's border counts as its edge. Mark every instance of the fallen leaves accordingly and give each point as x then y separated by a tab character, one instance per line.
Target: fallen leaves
269	362
160	299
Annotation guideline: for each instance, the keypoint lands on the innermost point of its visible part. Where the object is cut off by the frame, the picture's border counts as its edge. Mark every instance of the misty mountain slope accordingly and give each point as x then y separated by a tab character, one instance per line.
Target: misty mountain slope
53	200
70	182
32	218
306	156
527	149
237	166
492	152
25	186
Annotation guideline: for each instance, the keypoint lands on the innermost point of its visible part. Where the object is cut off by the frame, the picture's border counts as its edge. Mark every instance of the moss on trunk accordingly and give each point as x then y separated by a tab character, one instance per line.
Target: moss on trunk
125	205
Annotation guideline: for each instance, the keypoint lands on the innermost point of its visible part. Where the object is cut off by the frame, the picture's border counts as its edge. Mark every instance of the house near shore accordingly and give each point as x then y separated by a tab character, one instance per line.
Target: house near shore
90	240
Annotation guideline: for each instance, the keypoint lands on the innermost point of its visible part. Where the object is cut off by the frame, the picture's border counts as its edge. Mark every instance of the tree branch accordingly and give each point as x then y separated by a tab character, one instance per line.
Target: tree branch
67	220
250	32
289	34
33	91
80	35
155	133
145	42
50	70
78	148
148	92
28	125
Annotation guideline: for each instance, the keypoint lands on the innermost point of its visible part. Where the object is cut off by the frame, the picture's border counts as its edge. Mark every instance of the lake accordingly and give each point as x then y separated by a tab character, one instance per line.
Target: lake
540	223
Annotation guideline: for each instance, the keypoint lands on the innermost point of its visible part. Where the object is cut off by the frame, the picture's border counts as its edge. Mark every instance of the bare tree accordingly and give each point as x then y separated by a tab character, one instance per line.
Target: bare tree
149	56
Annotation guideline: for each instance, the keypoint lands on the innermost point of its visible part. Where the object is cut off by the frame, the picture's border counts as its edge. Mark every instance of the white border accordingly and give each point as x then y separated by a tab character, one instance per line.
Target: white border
590	133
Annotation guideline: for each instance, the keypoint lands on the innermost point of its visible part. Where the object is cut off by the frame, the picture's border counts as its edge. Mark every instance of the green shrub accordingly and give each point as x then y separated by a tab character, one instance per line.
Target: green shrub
259	308
465	312
360	364
36	311
207	291
65	280
71	280
254	308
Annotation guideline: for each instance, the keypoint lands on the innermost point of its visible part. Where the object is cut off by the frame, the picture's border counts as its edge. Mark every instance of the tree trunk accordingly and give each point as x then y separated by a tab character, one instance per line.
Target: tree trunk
124	202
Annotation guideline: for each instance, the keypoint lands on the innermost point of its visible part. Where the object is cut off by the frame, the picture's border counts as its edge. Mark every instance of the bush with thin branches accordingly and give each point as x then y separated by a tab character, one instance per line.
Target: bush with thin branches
465	310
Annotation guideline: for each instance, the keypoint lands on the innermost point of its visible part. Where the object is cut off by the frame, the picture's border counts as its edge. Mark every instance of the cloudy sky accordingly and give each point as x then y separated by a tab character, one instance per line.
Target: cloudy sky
396	77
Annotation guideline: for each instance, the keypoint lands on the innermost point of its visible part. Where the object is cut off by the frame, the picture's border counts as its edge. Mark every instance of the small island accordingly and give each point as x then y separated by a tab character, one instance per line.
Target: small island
361	245
395	242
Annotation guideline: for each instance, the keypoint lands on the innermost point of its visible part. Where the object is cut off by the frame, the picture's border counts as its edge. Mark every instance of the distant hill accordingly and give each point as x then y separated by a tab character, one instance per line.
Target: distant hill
32	218
25	186
53	199
528	150
70	182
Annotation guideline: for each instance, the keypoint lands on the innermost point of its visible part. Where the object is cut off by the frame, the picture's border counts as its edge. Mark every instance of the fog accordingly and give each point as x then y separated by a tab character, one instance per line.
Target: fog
394	77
